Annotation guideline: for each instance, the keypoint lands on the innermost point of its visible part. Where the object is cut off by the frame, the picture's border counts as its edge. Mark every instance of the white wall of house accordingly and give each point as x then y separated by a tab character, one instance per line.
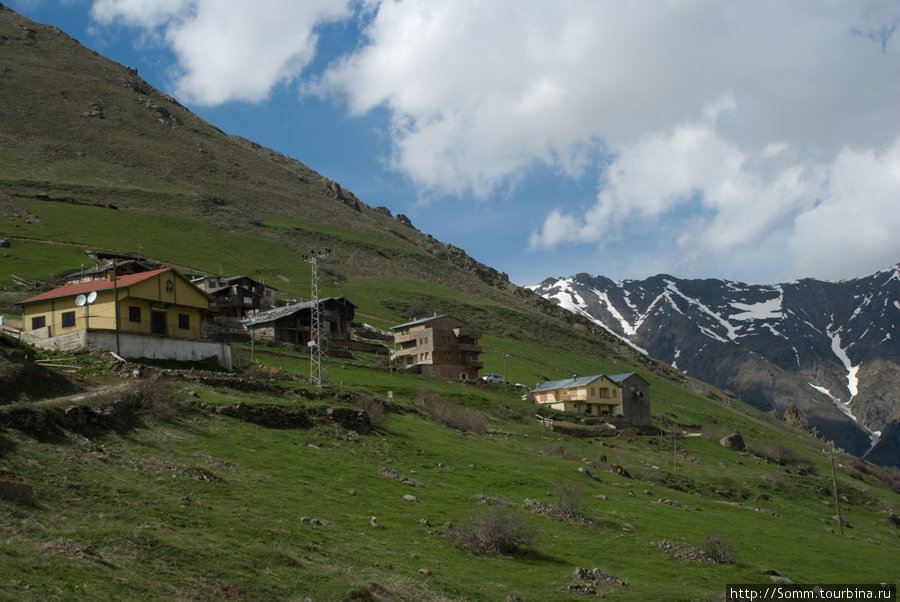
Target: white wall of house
164	348
136	345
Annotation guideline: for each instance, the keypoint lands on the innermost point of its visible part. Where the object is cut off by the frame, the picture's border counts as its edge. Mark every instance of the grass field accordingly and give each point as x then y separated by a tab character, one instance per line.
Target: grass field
184	503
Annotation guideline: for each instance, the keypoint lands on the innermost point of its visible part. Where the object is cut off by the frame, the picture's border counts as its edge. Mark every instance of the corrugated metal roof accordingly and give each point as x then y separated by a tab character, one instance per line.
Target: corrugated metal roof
423	320
276	313
577	381
580	381
617	378
80	288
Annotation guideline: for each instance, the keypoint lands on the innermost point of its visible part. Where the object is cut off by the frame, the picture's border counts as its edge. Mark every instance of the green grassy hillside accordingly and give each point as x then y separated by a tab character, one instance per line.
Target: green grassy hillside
179	501
243	488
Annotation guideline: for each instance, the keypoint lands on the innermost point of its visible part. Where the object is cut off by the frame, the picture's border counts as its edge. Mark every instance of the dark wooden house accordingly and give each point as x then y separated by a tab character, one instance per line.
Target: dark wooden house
293	323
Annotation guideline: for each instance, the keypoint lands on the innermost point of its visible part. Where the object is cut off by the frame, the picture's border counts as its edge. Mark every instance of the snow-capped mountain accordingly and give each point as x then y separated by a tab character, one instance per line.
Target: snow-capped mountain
829	348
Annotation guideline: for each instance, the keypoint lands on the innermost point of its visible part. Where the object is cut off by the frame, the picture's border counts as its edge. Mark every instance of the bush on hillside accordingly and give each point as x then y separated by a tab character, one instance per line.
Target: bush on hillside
376	410
153	394
718	549
444	411
784	456
568	495
497	531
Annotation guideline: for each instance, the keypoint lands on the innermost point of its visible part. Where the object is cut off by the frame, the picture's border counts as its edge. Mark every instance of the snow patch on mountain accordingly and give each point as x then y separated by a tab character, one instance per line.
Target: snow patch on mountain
841	353
764	310
730	330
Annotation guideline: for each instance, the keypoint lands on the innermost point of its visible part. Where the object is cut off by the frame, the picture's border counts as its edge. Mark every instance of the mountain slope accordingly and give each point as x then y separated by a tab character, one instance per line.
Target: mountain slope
831	349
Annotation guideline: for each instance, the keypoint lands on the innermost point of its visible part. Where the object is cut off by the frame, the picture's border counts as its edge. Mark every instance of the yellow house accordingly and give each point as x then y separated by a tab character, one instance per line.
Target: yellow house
595	395
159	302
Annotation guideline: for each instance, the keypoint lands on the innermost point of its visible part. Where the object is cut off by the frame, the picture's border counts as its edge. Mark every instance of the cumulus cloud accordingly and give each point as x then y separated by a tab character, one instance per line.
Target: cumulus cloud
854	229
748	124
230	50
487	89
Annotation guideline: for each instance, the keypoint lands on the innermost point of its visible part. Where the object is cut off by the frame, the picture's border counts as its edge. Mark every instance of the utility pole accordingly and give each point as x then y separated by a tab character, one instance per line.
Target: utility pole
674	451
317	344
837	501
505	376
116	304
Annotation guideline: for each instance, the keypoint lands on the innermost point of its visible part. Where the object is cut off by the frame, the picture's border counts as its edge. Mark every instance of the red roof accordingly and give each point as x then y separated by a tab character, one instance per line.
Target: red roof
82	288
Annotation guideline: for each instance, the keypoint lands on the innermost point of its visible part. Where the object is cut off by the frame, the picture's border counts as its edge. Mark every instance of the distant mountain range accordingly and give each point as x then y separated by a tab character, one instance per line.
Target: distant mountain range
829	348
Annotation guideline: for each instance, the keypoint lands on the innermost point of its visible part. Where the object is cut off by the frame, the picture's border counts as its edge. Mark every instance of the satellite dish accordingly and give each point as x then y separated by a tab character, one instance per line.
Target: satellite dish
92	296
80	300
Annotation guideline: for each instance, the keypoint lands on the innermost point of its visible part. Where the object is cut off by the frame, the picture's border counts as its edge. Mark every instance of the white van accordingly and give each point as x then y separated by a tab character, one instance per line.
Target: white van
493	378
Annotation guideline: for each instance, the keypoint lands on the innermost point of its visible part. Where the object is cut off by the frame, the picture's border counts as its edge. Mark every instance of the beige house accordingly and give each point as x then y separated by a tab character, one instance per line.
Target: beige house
154	314
441	346
623	399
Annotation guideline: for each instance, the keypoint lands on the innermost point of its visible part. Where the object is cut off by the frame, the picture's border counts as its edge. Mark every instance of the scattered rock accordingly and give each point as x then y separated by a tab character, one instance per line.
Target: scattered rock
490	501
393	474
587	473
691	553
663	502
425	571
373	522
620	471
316	522
892	519
570	516
734	442
410	498
594	581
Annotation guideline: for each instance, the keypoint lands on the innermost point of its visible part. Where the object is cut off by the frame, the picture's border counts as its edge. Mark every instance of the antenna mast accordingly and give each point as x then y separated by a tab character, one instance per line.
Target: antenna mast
317	343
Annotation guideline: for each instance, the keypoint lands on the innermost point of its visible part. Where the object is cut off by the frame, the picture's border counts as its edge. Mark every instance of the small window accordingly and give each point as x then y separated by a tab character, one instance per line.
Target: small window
68	319
184	321
38	322
134	314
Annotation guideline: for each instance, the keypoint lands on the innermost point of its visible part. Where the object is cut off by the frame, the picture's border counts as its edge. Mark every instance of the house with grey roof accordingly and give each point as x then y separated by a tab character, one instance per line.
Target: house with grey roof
621	399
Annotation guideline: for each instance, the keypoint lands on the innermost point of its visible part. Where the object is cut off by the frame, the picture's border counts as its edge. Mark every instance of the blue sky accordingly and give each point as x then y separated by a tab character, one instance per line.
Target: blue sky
750	140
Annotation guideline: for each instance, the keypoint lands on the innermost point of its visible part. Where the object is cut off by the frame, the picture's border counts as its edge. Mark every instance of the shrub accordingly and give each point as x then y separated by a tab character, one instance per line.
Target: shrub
713	433
417	310
718	549
376	410
149	394
444	411
513	332
568	495
784	456
497	531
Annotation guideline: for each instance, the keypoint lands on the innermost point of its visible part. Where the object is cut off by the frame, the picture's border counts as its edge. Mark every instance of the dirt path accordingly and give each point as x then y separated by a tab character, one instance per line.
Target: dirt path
95	392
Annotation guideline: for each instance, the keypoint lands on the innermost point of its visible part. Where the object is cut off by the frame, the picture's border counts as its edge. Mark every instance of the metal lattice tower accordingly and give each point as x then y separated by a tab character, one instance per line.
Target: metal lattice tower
318	369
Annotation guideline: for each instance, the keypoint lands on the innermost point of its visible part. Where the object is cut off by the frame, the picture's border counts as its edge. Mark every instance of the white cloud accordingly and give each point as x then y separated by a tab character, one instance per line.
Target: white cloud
532	82
741	122
140	13
230	49
855	229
